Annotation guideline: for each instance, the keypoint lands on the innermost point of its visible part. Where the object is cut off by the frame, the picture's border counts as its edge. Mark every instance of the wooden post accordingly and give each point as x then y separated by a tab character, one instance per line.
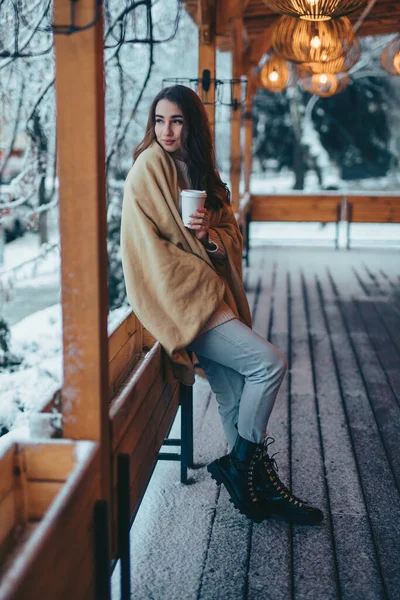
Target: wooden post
259	46
207	54
83	226
248	131
236	156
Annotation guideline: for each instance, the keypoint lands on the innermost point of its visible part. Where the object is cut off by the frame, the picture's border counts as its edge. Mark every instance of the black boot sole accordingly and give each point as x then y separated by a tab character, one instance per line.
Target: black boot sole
295	520
248	511
312	518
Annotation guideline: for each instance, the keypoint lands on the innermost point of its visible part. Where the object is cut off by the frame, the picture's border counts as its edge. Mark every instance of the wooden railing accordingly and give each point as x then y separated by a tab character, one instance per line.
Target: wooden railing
49	521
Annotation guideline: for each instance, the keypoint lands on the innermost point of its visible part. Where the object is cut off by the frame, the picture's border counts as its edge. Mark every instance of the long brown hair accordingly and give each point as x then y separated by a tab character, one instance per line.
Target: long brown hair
196	143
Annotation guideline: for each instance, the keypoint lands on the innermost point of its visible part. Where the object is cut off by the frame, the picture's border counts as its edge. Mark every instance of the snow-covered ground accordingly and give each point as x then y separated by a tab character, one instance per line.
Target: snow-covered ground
362	234
36	338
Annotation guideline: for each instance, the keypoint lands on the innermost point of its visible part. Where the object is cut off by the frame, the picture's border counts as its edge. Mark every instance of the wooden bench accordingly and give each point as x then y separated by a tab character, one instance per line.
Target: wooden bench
320	208
143	407
371	209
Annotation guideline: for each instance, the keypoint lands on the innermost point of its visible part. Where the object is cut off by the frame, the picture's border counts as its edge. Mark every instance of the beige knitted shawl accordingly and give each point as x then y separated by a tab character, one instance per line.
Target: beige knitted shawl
172	284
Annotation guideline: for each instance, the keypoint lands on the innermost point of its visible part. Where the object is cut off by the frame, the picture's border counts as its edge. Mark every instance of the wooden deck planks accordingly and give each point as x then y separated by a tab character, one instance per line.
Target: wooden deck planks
313	552
270	566
356	572
230	533
381	497
335	317
297	308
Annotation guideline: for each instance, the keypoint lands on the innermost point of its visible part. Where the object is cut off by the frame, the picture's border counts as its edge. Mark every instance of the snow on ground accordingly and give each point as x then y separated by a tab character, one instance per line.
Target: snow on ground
362	234
38	340
24	249
270	183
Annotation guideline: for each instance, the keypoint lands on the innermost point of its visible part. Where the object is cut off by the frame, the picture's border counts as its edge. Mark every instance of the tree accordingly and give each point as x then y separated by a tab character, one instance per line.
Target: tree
354	128
350	129
139	53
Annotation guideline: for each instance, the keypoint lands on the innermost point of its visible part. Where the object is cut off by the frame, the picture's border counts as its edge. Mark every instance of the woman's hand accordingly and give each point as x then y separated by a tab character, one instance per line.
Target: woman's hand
200	223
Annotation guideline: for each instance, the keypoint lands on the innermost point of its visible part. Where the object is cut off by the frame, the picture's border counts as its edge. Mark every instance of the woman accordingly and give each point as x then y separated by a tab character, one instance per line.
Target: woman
185	286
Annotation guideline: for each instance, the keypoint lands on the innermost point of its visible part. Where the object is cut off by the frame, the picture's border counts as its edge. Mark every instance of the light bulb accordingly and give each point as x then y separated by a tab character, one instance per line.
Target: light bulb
323	79
315	42
324	56
273	76
312	2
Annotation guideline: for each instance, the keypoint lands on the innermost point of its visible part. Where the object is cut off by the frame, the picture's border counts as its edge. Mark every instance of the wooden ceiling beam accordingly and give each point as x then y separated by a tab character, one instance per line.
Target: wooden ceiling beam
206	20
259	46
226	11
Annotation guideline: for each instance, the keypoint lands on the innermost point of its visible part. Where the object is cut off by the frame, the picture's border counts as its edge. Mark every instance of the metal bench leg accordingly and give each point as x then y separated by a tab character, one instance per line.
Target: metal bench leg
124	524
186	430
101	551
338	213
349	220
189	426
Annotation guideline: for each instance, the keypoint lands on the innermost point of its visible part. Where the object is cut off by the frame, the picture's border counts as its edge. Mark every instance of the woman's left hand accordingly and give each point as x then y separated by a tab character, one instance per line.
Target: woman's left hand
200	223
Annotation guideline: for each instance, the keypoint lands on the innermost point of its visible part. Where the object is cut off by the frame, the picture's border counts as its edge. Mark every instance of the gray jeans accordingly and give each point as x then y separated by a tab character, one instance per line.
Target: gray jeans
245	373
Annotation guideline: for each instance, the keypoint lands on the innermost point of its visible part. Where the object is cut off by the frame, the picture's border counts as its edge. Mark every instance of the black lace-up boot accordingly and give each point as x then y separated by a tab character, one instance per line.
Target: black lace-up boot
277	499
239	473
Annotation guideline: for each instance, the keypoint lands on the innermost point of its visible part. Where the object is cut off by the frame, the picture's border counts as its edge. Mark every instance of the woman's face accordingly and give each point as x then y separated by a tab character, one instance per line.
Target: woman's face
168	125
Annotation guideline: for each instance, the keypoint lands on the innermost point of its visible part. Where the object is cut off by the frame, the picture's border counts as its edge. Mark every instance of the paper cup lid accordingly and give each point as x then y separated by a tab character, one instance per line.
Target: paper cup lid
194	192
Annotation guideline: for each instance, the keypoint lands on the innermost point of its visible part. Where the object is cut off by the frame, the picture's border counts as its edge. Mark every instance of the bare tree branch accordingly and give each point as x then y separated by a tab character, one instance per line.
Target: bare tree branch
15	130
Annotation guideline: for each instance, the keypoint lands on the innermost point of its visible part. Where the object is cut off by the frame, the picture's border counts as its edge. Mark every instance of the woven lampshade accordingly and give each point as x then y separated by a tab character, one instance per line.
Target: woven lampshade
307	41
339	65
390	58
324	84
315	10
274	75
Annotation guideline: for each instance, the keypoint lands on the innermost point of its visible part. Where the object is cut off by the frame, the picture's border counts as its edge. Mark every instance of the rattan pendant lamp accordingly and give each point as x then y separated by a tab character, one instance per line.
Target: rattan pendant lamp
308	41
390	59
340	65
325	84
274	74
315	10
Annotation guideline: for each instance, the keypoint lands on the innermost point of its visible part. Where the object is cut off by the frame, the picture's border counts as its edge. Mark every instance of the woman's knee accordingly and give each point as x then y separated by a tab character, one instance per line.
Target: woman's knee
280	366
274	363
283	365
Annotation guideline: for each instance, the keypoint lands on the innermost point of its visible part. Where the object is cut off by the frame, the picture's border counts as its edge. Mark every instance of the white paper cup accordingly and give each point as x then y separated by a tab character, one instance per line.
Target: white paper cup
191	201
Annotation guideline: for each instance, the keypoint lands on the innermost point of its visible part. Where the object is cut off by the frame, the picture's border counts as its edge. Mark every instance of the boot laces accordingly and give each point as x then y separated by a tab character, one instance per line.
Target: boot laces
256	459
272	473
